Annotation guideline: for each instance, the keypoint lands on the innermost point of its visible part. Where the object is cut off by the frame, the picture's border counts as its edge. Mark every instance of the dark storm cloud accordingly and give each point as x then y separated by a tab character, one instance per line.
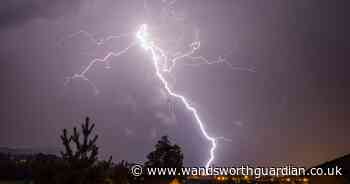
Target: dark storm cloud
14	12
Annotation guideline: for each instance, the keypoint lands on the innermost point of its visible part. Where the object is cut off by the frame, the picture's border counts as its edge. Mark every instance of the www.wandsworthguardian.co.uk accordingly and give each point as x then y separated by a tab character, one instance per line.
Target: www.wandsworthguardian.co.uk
138	170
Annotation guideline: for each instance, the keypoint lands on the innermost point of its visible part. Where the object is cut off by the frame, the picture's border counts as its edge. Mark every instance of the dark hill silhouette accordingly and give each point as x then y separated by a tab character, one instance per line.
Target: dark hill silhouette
28	151
342	162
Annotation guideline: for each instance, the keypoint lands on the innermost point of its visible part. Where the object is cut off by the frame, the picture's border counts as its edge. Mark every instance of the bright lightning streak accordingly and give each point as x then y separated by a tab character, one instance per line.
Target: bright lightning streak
156	52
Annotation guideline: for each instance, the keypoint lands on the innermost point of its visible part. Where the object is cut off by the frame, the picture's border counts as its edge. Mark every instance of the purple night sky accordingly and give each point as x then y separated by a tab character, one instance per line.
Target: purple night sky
294	109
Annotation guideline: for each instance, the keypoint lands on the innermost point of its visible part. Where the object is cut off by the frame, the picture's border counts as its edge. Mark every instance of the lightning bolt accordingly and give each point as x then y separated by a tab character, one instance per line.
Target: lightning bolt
163	62
157	53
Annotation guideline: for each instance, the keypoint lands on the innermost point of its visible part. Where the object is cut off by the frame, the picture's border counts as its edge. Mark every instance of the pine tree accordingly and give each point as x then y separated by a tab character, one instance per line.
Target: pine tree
80	155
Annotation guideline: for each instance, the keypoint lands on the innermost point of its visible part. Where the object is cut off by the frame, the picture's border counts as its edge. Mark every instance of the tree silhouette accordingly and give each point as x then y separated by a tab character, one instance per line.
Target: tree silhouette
165	154
80	155
85	152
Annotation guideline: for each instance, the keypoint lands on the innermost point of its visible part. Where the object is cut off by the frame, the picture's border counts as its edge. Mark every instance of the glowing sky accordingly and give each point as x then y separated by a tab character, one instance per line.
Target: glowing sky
294	108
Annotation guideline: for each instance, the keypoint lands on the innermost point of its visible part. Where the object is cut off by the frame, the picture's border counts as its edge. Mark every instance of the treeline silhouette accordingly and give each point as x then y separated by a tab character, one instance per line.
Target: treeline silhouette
78	162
